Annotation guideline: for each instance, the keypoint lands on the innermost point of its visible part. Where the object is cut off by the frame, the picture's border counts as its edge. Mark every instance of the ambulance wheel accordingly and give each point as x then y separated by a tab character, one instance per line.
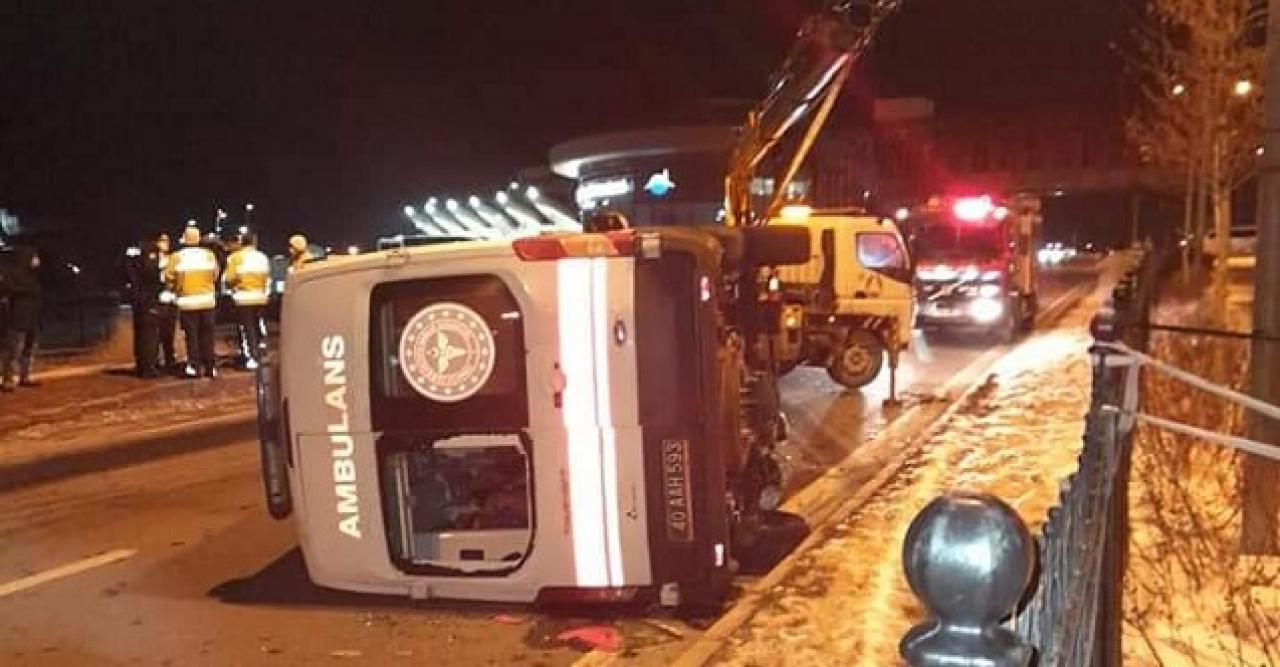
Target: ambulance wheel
778	533
857	363
705	598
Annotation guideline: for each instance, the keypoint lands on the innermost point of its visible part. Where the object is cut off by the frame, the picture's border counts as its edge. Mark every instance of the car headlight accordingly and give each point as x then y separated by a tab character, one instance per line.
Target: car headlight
986	310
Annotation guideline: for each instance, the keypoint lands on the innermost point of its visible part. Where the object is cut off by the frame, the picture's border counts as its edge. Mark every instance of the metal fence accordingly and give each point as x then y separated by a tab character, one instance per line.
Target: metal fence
972	562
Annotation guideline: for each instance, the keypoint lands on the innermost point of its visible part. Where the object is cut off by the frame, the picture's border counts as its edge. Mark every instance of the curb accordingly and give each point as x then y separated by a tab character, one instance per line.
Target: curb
139	447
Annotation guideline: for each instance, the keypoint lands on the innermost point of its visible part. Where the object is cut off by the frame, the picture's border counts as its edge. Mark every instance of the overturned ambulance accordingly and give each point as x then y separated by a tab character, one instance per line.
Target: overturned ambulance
565	417
516	420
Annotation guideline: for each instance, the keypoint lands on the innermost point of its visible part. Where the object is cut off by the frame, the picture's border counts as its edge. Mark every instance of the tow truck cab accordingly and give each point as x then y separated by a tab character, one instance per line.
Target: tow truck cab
852	302
975	263
554	417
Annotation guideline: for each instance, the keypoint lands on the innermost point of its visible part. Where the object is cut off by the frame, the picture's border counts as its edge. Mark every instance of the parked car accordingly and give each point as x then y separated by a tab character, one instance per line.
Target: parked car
1243	241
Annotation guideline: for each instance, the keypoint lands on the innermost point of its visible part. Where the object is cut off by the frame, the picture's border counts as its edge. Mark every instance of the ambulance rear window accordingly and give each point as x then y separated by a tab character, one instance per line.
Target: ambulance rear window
466	376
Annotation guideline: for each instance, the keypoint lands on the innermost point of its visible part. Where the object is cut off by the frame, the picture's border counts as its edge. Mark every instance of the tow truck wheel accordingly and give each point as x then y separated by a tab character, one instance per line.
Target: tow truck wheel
1029	317
859	361
1007	329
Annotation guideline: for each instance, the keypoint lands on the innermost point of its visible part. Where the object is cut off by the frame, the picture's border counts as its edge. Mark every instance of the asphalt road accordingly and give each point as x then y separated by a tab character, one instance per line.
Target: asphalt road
175	561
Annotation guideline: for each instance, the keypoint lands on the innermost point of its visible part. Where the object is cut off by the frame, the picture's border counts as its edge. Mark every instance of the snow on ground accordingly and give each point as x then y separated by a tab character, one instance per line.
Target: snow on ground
1189	597
847	601
79	421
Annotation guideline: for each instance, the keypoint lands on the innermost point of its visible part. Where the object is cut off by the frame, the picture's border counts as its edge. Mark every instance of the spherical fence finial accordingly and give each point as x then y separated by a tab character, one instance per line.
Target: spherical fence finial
1105	325
968	558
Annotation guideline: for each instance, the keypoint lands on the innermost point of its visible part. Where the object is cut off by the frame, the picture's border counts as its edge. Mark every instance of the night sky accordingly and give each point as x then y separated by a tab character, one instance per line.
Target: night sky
119	118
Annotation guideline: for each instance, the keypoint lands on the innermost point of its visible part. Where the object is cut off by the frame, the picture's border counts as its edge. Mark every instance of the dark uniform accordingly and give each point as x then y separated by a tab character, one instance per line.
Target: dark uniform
144	287
18	347
166	313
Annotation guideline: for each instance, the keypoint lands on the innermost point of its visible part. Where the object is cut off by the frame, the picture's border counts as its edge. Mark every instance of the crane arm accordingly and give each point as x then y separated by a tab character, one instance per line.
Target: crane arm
806	86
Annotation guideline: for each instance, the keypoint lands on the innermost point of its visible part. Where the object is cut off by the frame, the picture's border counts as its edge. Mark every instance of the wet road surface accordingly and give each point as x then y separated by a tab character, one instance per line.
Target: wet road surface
176	562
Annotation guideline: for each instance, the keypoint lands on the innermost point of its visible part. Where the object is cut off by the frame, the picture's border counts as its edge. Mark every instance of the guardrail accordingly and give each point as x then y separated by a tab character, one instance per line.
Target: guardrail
972	561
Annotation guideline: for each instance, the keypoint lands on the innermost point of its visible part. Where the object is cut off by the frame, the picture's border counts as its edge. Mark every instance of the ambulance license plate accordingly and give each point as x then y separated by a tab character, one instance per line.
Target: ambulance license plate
675	489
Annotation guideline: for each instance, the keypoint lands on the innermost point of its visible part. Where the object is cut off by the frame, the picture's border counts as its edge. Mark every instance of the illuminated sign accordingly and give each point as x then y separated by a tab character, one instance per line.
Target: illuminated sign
591	191
660	183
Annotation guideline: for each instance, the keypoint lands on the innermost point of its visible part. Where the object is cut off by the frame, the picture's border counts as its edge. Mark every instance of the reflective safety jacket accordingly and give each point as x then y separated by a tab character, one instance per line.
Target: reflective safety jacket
248	277
192	274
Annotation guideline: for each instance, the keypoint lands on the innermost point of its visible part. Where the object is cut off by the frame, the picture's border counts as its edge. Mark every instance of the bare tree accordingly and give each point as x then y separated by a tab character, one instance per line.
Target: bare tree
1196	113
1198	69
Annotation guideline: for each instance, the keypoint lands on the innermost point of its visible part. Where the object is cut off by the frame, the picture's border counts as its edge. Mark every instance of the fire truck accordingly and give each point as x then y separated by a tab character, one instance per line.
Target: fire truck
567	417
975	263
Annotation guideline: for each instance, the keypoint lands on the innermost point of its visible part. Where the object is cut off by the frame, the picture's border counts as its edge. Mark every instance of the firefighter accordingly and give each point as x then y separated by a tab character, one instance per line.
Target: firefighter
166	309
192	274
22	285
297	252
248	277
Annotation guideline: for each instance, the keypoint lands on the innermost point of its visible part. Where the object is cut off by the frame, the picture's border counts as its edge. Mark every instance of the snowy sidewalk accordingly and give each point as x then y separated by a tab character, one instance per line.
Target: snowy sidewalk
846	601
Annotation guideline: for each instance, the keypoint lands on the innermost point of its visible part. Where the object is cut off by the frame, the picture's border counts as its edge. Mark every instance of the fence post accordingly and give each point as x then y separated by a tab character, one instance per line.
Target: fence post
968	558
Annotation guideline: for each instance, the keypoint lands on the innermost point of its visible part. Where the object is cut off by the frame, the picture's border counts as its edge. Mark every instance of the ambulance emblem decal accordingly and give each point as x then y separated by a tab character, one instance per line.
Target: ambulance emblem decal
447	352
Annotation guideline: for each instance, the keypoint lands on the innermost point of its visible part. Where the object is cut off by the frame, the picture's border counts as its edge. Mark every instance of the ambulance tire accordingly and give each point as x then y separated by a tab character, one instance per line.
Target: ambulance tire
859	361
705	598
777	535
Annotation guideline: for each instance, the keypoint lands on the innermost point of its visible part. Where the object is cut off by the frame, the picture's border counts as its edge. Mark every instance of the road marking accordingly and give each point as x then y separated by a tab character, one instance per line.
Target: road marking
67	570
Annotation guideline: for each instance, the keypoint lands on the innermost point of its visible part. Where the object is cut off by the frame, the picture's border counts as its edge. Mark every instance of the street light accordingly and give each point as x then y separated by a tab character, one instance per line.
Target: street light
1243	87
1179	89
408	211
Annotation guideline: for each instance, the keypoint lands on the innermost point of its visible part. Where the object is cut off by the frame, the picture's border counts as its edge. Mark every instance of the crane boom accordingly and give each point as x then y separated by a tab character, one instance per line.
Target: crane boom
807	85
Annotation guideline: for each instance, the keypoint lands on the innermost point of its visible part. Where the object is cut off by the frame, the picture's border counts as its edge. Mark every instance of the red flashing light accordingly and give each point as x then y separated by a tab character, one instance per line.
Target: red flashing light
547	248
973	209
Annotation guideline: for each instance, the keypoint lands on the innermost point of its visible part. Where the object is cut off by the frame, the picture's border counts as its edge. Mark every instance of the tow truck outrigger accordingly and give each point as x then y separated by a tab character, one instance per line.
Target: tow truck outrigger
562	417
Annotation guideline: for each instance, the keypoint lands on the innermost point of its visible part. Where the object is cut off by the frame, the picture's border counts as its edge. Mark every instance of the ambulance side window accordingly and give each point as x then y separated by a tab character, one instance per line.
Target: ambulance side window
883	253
